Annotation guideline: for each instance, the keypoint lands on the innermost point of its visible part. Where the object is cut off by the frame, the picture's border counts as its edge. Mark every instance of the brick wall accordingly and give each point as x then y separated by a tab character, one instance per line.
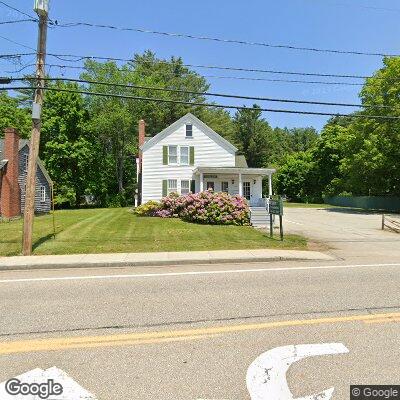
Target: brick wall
10	197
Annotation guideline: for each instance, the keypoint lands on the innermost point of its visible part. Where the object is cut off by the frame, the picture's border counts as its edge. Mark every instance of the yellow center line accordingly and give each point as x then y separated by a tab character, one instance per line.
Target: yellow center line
383	320
52	344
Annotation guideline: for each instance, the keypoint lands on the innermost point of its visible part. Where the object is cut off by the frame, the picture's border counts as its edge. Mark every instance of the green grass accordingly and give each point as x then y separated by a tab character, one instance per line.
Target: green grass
118	230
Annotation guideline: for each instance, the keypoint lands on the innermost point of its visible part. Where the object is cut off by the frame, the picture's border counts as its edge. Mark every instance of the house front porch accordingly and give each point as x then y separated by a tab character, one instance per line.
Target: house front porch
246	182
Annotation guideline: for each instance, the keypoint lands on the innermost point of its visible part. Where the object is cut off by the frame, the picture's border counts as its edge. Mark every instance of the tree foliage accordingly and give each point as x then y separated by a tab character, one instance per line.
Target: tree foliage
89	143
66	147
251	135
13	115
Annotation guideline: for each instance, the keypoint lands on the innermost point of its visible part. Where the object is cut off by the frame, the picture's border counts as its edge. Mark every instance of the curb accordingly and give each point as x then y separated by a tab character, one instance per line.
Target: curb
315	256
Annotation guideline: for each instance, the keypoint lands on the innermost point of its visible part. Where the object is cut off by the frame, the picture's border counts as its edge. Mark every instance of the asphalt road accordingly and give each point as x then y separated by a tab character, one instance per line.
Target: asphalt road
184	335
192	332
349	234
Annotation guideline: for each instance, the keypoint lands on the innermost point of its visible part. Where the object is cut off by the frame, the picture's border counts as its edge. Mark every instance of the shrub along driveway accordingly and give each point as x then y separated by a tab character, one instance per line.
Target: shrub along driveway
118	230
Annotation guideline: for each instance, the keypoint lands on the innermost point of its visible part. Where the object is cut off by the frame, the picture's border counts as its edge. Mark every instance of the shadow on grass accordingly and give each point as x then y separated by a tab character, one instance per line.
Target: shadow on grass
42	240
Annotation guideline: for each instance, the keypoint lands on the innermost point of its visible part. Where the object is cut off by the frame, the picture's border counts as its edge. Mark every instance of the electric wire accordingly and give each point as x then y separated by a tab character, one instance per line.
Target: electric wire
211	105
225	40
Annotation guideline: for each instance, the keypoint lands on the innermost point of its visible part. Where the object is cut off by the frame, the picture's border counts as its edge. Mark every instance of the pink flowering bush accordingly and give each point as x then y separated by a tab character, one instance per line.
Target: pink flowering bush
205	208
171	206
216	209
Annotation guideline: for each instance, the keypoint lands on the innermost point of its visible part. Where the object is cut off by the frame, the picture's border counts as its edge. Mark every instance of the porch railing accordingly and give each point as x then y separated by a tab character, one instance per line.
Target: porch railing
258	202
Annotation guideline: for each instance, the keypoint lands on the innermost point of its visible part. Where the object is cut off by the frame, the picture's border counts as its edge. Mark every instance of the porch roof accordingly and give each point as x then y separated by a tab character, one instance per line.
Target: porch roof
235	171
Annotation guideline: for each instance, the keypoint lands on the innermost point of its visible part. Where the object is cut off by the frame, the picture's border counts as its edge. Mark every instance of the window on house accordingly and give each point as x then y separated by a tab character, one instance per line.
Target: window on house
246	190
185	187
42	194
26	160
184	153
225	187
172	186
172	154
189	130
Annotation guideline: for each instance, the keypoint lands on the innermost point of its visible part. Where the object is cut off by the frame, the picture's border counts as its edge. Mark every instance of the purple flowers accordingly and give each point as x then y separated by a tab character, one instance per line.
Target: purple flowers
205	208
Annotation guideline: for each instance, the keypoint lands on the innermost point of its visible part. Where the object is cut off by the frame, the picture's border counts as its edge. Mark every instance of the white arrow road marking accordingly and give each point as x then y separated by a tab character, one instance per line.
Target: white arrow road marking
266	376
71	389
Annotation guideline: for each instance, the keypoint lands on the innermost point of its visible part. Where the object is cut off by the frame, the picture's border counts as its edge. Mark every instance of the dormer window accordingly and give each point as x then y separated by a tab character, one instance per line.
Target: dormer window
189	130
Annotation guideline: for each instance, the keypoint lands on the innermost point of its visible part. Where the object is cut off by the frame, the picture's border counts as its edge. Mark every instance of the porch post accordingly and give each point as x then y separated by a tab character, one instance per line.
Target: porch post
270	185
201	182
240	184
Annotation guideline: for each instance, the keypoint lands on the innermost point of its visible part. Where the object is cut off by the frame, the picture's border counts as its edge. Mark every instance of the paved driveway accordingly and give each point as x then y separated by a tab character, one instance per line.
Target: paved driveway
349	234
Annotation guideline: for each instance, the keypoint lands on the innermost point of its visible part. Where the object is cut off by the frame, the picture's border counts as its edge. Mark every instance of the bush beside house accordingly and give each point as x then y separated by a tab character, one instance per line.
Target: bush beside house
203	208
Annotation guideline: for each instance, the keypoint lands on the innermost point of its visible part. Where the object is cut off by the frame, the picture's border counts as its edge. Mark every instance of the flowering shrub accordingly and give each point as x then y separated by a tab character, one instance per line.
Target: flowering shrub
148	209
215	209
171	206
204	208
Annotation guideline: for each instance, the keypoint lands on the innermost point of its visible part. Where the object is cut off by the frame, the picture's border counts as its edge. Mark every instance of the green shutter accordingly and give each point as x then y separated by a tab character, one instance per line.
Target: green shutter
192	185
164	187
191	155
165	155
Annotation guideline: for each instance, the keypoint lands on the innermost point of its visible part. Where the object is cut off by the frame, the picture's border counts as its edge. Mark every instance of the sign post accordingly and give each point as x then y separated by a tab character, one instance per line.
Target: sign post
275	207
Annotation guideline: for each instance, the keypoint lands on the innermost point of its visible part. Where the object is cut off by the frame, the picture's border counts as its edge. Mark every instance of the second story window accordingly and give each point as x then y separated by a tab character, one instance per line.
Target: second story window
189	130
184	155
172	154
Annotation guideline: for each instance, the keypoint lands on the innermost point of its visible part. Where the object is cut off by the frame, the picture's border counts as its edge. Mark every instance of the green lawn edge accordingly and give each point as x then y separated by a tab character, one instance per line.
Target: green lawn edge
117	230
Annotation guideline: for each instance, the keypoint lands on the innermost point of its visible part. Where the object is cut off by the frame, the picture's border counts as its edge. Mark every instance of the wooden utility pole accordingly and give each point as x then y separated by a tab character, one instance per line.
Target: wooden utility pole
29	211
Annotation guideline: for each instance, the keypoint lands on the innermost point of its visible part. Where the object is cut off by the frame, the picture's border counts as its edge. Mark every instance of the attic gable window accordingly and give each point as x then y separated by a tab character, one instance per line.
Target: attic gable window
189	130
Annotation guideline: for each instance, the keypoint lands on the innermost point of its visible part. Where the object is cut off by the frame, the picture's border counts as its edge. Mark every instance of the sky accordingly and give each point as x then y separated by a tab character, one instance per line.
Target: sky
360	25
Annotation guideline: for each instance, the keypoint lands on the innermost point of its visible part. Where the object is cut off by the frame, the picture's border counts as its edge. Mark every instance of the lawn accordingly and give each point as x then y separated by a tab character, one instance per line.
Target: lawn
118	230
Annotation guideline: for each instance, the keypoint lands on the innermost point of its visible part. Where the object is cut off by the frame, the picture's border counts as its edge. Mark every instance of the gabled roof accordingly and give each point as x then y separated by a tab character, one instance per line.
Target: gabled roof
22	144
190	118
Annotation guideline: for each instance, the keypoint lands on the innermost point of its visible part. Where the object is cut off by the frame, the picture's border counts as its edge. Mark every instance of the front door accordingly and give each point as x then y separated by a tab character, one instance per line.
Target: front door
246	190
210	185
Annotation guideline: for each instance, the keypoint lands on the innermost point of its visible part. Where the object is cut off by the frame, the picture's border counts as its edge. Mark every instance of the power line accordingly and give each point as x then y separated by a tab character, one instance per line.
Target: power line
347	5
225	40
15	55
17	10
213	94
17	21
283	80
217	77
17	43
195	104
227	68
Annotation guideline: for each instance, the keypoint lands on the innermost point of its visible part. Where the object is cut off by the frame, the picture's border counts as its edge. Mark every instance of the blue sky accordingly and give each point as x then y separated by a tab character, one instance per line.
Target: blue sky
333	24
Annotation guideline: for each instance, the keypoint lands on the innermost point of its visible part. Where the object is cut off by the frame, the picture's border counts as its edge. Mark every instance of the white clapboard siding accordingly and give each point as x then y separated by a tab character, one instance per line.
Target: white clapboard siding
207	153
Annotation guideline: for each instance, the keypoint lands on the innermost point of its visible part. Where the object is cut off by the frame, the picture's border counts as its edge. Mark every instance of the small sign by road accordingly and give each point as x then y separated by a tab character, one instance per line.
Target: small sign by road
275	207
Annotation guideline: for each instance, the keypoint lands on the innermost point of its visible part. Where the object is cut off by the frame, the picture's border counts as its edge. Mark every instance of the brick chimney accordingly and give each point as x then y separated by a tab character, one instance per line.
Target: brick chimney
142	135
10	197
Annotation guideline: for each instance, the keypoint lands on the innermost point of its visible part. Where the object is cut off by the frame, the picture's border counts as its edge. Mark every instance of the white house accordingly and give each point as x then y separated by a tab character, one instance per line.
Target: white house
189	156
